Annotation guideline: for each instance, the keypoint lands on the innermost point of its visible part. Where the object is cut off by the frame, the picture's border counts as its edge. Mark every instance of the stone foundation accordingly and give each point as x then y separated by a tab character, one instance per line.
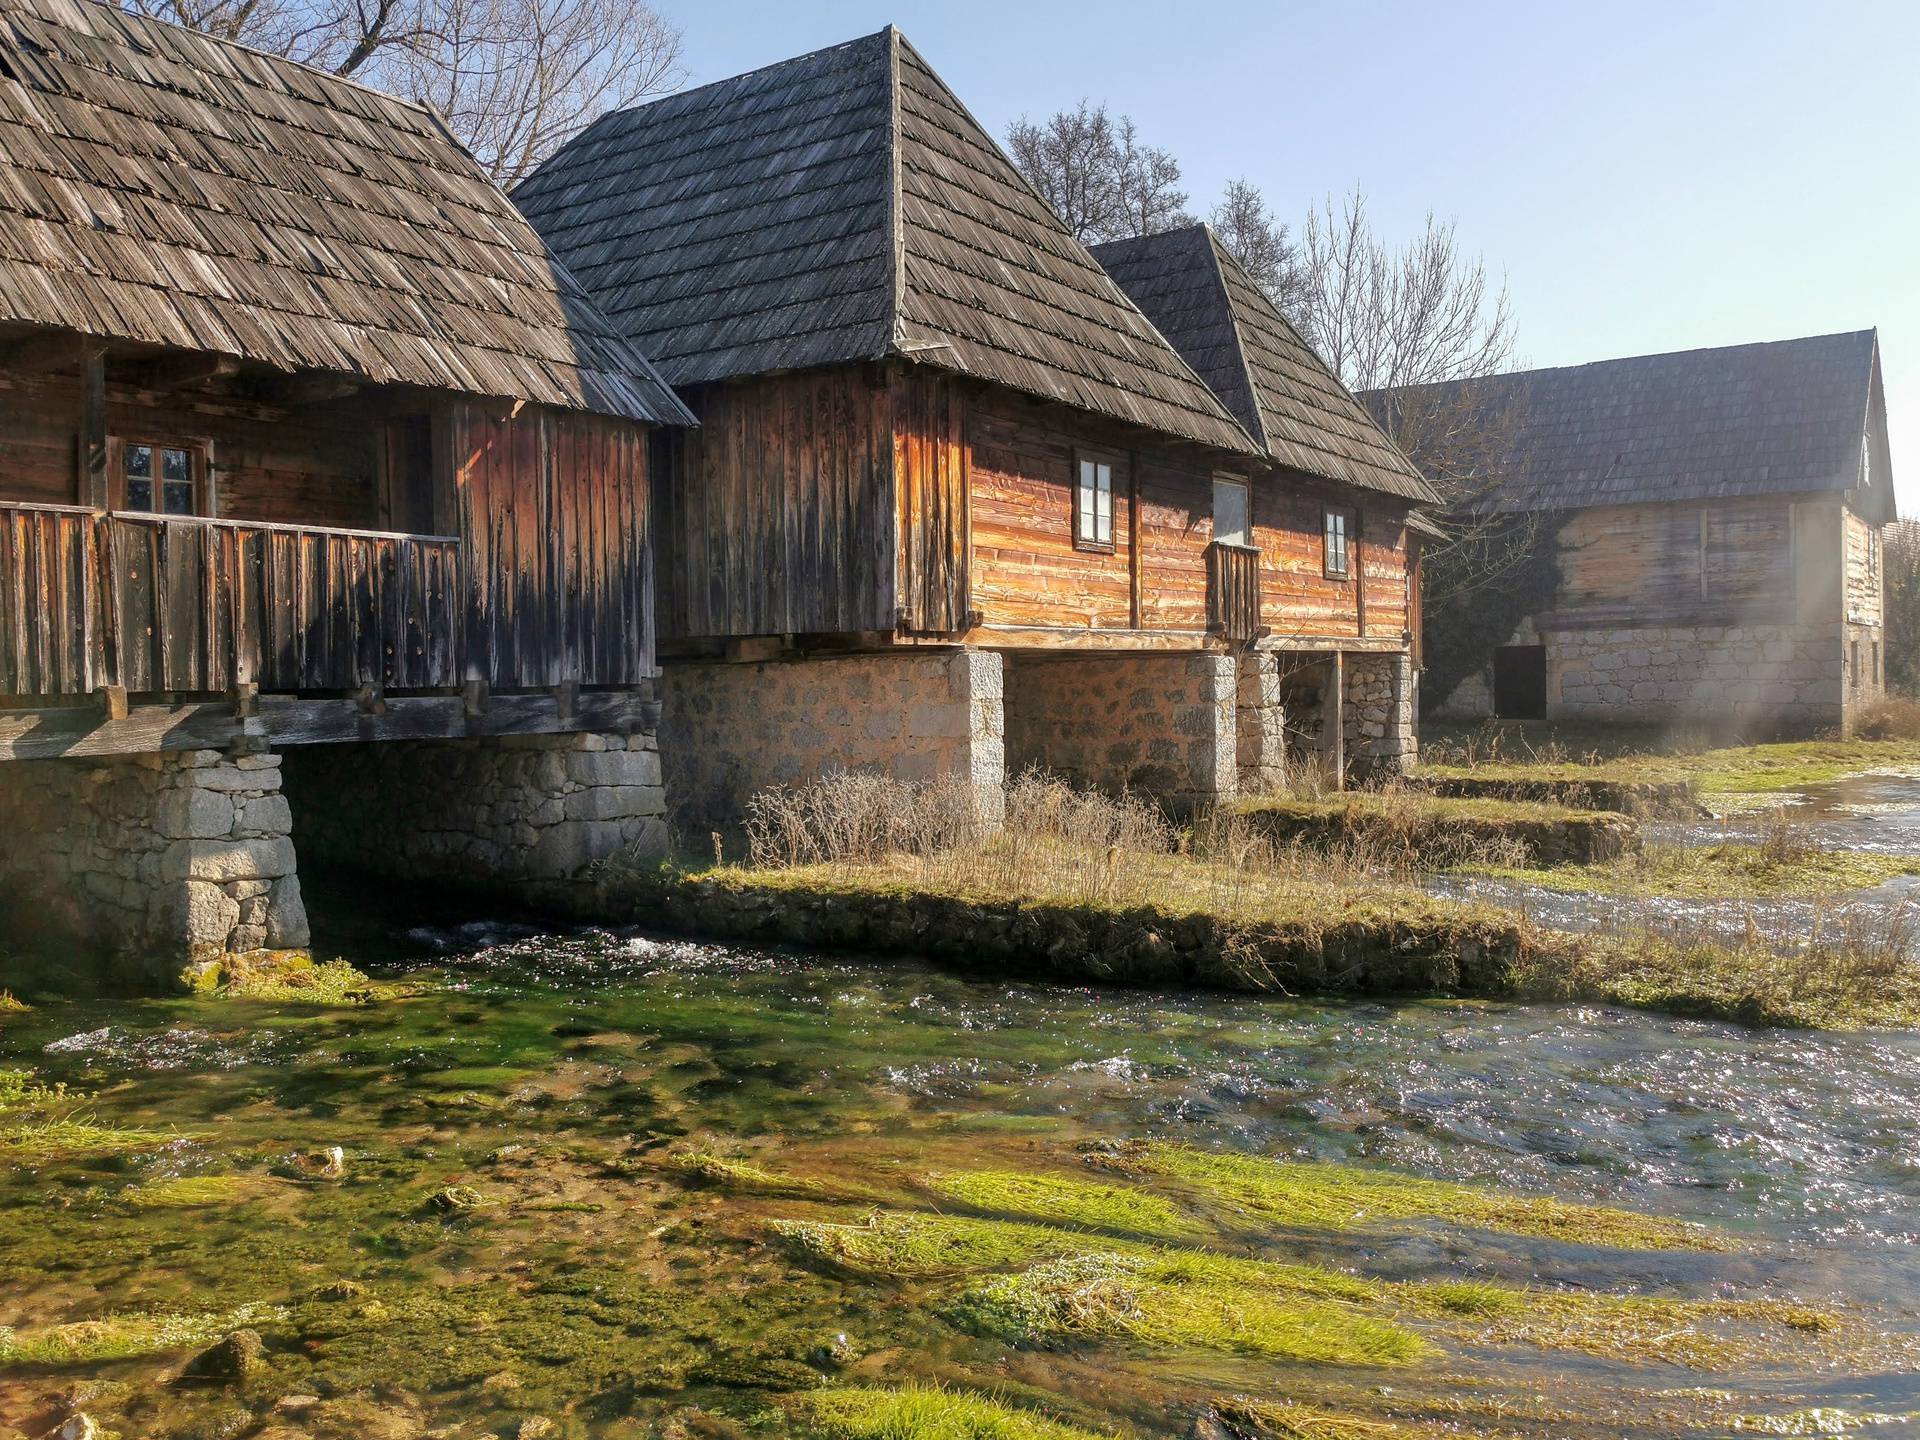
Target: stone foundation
1378	711
526	812
154	859
731	730
1260	724
1160	725
1758	679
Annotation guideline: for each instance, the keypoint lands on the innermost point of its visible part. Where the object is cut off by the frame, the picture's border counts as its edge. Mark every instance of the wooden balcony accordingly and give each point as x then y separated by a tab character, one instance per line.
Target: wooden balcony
1233	591
93	601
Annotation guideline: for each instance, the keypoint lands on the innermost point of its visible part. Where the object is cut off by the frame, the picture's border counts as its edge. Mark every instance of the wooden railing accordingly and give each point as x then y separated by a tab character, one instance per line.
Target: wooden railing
1233	591
90	601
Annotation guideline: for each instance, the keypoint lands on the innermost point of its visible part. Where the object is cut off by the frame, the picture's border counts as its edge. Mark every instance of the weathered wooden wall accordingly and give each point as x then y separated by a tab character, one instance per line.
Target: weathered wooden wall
311	465
1300	599
555	527
929	409
1864	572
1742	560
778	515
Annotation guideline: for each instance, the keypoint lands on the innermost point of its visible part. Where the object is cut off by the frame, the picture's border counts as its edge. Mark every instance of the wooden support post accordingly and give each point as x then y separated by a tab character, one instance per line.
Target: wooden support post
370	700
1135	607
93	427
474	696
245	699
1333	719
566	697
113	701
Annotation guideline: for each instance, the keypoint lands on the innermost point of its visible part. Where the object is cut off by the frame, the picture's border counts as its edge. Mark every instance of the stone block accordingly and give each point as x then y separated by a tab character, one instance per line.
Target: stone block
287	916
266	815
188	812
266	858
207	914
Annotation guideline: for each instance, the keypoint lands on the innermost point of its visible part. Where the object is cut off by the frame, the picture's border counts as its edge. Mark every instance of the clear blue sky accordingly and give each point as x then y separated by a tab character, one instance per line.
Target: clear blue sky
1648	176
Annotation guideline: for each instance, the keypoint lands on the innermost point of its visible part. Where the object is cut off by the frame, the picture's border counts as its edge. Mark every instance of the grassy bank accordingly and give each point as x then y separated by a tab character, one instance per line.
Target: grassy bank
1733	871
1516	753
1398	828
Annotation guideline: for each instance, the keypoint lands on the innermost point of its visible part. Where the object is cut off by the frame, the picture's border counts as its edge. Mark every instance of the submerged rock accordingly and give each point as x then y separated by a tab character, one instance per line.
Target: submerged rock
327	1164
237	1356
77	1426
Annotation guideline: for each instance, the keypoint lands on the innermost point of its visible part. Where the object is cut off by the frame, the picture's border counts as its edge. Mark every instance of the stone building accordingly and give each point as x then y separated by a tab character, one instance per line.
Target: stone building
1712	522
956	505
324	524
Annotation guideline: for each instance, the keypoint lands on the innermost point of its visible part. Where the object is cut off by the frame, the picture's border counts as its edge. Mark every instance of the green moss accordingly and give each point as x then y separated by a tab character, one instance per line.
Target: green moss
22	1090
1065	1200
286	977
1413	805
894	1243
1283	1420
1341	1197
11	1006
121	1337
187	1192
1728	871
713	1168
40	1142
1115	1296
921	1412
1699	1334
1789	766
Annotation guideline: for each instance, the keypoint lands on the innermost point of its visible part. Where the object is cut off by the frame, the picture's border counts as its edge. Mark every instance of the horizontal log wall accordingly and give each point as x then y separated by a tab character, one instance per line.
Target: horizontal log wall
312	466
1297	595
778	515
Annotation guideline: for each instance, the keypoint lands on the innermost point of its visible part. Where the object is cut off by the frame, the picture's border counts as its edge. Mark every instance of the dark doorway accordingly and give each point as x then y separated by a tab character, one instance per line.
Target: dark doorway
1520	682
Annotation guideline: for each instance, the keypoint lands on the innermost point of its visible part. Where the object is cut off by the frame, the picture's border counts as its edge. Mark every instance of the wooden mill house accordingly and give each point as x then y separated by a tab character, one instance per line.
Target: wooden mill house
312	451
1711	523
956	506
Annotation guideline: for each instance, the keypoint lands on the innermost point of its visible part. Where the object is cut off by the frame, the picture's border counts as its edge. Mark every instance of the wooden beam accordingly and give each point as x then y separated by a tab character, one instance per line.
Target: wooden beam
309	389
1333	719
279	720
182	371
53	350
93	428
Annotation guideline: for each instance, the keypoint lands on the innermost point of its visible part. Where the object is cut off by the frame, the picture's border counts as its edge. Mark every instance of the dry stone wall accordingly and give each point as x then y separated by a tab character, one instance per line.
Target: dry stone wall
522	811
1380	734
165	857
1260	724
1160	725
1785	677
731	730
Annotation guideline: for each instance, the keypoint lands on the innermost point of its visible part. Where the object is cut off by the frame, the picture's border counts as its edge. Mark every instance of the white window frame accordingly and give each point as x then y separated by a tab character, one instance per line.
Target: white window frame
1222	533
1336	524
1093	503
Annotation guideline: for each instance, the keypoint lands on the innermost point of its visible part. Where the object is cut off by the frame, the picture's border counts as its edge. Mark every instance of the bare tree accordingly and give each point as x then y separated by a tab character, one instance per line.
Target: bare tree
1096	174
515	79
1259	242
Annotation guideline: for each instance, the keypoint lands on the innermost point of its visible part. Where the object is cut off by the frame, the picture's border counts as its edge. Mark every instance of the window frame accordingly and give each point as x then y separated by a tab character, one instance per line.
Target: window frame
1345	515
1245	487
1094	544
199	454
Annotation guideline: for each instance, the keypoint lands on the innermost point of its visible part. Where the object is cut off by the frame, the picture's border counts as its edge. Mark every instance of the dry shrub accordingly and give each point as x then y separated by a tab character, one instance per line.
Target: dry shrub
1895	718
855	816
1783	839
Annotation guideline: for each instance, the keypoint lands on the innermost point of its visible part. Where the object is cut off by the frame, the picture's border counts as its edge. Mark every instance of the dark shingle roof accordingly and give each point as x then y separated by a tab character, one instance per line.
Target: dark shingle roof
1779	418
160	186
844	206
1216	315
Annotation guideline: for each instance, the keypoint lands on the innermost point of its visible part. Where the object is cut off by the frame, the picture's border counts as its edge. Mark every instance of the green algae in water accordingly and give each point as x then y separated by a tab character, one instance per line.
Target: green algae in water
1342	1197
922	1412
1065	1200
1110	1296
187	1192
121	1337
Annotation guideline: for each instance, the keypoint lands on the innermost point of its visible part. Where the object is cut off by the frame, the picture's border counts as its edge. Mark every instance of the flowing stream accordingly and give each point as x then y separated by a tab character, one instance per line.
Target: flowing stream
513	1233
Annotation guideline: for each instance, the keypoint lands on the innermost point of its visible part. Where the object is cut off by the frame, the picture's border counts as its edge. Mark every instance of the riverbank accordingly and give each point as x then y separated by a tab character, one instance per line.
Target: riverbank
1049	914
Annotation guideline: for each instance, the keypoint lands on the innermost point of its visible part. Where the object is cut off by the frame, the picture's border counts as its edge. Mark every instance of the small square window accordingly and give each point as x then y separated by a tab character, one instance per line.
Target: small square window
1335	554
1093	506
162	479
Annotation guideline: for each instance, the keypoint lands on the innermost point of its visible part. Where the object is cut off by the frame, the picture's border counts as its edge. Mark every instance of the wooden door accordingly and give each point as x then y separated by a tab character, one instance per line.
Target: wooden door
1520	682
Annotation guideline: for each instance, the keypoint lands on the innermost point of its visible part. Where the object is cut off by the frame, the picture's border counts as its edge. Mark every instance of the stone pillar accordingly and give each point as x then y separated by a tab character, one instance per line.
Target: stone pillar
1160	725
1260	724
1380	730
729	731
527	812
163	858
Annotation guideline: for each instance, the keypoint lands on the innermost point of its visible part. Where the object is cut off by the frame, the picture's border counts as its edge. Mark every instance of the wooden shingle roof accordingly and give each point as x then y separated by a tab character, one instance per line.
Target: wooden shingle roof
844	206
164	187
1216	315
1786	417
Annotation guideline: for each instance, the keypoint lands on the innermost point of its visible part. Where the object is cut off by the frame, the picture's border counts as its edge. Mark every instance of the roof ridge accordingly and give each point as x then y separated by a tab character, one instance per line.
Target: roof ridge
738	76
1871	330
1218	253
